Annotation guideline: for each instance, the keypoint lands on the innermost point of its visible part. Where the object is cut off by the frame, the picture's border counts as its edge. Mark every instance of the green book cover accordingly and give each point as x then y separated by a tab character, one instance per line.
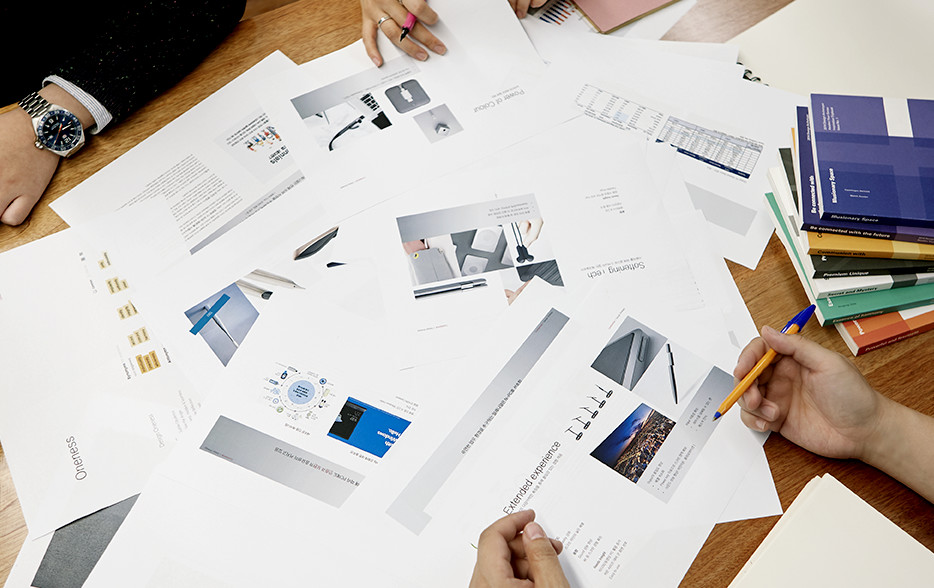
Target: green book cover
837	309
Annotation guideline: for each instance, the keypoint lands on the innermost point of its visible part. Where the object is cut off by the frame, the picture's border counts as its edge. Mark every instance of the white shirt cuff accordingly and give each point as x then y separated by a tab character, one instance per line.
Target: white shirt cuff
102	116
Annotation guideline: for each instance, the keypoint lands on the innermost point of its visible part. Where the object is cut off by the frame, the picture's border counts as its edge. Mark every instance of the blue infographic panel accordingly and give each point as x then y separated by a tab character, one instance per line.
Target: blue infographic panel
367	427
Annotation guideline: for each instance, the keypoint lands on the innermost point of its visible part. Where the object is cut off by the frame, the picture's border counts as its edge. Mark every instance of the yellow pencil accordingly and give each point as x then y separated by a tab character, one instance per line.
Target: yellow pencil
793	326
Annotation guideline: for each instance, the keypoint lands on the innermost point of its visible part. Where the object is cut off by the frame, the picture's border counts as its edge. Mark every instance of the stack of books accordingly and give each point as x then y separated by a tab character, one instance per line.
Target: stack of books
853	204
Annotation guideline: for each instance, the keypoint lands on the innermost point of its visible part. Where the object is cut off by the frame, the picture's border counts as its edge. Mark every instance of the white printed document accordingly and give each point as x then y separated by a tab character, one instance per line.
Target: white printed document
373	459
725	131
441	263
449	257
363	134
212	168
611	439
92	397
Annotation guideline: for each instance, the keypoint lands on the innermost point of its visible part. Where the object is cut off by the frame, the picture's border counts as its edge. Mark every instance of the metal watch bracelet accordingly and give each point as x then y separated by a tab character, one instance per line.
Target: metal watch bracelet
34	104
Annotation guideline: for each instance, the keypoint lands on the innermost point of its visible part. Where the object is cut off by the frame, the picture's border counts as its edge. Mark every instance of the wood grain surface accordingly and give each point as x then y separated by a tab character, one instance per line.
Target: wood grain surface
305	30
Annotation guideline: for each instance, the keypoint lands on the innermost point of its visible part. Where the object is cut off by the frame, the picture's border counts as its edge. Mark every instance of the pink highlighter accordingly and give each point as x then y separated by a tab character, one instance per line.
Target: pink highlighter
407	26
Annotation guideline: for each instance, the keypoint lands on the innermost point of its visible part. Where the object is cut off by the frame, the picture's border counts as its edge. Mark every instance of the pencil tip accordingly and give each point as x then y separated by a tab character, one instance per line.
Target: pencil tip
717	415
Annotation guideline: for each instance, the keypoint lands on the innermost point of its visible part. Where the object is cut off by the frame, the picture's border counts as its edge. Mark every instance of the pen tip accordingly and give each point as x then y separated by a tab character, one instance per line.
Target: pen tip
717	415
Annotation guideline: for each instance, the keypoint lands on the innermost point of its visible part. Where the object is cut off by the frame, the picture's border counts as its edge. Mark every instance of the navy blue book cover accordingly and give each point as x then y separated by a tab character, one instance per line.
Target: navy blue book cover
808	205
865	172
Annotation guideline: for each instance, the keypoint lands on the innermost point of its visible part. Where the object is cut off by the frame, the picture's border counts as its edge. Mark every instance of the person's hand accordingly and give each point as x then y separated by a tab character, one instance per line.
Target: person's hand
511	295
530	230
393	14
411	247
521	7
515	552
25	171
812	396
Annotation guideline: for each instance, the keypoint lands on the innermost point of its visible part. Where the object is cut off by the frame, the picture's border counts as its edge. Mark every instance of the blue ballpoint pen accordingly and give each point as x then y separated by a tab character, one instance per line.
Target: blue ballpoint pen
793	326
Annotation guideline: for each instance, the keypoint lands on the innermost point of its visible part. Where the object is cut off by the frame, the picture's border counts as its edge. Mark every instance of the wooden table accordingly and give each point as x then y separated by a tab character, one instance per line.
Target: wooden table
306	30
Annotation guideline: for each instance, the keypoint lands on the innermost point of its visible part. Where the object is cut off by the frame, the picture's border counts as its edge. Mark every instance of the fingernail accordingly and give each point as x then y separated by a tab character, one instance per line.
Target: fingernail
760	424
534	530
421	55
521	14
440	49
376	62
769	329
769	412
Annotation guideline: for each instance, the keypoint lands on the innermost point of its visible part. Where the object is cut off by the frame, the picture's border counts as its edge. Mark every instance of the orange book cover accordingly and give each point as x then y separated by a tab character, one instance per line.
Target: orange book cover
870	333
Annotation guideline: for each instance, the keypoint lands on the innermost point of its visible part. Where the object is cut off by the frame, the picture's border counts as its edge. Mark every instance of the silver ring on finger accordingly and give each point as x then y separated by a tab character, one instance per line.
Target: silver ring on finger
380	22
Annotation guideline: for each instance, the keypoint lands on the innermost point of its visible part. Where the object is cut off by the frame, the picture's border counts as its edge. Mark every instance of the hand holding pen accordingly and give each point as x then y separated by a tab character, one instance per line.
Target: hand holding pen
768	358
407	26
812	396
405	23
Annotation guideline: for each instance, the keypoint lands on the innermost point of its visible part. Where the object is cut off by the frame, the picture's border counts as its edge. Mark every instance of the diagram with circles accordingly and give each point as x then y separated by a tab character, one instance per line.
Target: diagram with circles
298	395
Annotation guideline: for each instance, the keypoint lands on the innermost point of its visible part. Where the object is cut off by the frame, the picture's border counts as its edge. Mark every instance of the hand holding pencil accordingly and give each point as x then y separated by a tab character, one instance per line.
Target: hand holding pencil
812	396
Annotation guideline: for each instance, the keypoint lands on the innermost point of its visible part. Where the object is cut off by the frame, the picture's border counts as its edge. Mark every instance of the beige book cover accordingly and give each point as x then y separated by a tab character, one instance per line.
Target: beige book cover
862	47
831	537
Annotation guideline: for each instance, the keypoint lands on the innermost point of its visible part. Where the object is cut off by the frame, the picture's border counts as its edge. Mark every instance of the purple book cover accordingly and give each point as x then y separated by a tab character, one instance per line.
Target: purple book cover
867	175
808	209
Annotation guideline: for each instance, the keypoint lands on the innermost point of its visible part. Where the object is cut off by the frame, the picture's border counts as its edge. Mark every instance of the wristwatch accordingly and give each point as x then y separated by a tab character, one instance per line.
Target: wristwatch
57	129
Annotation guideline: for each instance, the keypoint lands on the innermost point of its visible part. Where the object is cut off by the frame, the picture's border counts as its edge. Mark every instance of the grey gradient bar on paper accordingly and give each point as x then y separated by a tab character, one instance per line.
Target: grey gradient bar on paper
283	187
281	462
467	217
409	507
722	211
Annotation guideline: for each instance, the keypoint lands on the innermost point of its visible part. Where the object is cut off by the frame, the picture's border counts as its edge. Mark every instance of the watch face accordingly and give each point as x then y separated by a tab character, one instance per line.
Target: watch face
59	130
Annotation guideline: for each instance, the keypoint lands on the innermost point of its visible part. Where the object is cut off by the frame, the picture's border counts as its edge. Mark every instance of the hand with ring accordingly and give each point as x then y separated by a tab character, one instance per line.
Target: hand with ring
389	16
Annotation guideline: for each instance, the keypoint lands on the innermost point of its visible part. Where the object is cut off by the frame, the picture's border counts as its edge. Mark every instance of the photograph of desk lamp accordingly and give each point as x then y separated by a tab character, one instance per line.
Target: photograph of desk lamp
438	123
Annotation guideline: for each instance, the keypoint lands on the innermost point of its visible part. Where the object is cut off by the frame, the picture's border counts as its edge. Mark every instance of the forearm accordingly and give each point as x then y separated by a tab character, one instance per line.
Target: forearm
903	447
141	50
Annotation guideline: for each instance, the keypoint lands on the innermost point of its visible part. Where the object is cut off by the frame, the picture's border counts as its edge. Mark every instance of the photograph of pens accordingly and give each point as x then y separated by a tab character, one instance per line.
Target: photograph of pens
793	326
407	26
671	372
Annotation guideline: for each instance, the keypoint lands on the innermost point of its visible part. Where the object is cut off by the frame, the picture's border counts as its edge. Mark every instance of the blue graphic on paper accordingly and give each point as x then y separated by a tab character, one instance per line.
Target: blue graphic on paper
209	314
367	427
